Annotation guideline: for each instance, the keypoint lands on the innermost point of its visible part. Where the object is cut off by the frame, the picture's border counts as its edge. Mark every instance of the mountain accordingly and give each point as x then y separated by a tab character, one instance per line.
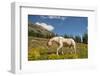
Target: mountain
39	31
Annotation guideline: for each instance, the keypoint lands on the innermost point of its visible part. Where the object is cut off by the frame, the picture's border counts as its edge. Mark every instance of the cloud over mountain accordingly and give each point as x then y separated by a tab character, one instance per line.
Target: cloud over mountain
46	26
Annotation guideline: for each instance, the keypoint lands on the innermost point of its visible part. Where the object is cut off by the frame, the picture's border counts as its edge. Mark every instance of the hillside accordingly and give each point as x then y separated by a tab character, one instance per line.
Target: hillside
38	50
39	31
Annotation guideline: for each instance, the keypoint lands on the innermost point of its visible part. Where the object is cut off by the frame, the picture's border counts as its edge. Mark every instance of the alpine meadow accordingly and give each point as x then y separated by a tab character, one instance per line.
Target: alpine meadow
53	37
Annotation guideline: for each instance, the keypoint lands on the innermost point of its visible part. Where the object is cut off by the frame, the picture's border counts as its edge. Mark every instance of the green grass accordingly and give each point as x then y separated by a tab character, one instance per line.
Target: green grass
38	50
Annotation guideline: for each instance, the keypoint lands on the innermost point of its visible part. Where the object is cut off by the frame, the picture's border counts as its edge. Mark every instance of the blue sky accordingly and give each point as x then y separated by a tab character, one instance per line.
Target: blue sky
70	25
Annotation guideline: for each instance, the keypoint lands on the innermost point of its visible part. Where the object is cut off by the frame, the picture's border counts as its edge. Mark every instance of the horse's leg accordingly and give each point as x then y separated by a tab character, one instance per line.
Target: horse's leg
58	50
74	49
62	51
71	50
61	45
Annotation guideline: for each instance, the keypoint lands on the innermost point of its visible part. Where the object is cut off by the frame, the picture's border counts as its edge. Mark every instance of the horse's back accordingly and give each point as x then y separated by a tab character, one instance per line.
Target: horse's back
57	38
69	41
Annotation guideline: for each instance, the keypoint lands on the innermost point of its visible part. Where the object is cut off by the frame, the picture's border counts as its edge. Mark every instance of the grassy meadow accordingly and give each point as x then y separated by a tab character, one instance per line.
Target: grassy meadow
38	50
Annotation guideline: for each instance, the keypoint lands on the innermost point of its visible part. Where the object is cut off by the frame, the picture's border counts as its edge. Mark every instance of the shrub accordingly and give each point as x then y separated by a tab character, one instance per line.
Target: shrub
83	53
85	38
33	54
53	56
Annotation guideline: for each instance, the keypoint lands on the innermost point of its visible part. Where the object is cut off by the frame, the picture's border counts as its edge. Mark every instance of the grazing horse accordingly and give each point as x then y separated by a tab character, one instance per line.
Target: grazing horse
61	41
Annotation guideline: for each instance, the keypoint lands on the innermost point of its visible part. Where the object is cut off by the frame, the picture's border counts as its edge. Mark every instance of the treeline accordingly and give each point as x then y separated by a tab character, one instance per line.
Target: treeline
37	34
78	39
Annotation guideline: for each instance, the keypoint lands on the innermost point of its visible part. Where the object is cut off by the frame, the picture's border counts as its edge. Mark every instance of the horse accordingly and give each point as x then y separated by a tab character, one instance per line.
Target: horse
61	41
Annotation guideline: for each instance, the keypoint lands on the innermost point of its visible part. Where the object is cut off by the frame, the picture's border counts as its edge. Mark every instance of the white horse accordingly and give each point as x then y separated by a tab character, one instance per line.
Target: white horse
61	41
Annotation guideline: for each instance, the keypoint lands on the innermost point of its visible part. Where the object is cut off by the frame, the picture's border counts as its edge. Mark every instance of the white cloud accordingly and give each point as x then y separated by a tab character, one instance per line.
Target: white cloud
46	26
54	17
